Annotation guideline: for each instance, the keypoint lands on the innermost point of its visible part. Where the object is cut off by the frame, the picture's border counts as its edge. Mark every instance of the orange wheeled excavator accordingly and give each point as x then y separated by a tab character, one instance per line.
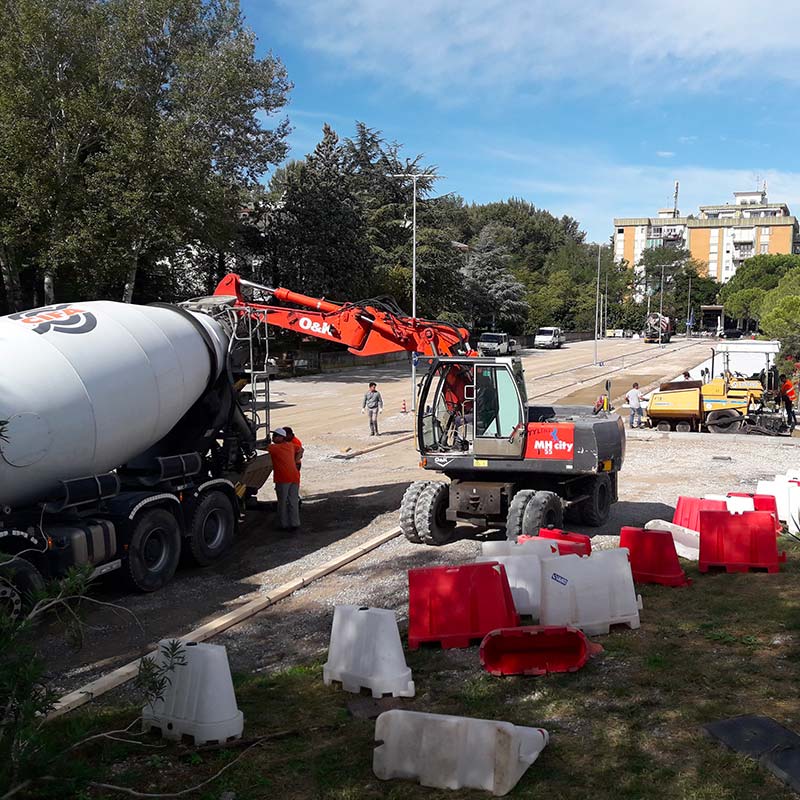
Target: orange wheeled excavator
510	464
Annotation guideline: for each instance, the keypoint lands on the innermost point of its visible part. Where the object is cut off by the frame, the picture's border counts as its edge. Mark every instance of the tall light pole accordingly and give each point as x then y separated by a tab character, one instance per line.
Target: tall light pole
414	176
661	307
597	305
689	308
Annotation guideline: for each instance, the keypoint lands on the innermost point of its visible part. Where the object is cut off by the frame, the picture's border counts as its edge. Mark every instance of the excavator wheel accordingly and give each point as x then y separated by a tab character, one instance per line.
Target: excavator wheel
432	525
408	507
594	510
726	420
545	510
516	513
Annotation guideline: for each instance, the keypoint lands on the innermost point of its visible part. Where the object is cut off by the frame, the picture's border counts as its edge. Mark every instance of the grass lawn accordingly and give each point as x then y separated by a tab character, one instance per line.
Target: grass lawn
625	726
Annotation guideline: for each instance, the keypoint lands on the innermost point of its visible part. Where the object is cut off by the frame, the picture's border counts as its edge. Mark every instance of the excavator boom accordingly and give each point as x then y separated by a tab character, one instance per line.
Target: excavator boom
367	328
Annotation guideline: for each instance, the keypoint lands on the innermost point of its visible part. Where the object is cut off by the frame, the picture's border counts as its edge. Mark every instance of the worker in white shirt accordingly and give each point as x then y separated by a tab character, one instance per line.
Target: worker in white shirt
634	398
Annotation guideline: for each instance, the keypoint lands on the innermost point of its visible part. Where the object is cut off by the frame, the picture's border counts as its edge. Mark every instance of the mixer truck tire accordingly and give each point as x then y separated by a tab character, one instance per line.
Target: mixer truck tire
20	581
594	510
211	528
154	549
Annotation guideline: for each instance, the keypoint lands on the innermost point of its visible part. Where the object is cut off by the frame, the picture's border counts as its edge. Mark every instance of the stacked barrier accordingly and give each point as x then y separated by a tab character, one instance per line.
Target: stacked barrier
653	556
738	542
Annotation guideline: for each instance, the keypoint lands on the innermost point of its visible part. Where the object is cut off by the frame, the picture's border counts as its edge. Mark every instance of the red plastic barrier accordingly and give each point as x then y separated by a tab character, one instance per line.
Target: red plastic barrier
653	557
687	511
762	502
536	650
738	542
455	605
568	542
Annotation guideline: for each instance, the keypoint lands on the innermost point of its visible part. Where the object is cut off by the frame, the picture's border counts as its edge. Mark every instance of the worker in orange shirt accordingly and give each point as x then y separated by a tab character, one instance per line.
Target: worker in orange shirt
788	395
287	479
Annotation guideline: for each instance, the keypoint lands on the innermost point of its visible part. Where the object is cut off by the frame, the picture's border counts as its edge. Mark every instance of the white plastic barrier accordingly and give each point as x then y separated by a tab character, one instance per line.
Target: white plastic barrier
199	700
687	541
544	548
779	489
793	507
736	505
365	651
524	573
447	752
590	592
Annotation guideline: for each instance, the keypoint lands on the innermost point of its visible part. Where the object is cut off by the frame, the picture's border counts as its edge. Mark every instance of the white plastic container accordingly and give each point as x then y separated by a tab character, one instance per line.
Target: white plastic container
447	752
524	573
365	652
590	592
199	700
687	541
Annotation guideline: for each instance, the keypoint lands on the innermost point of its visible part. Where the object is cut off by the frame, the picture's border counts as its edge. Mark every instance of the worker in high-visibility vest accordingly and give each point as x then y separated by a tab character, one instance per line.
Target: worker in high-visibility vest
788	395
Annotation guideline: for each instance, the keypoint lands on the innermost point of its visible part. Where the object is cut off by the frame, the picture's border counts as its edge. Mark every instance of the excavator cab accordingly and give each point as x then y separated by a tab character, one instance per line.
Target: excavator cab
473	406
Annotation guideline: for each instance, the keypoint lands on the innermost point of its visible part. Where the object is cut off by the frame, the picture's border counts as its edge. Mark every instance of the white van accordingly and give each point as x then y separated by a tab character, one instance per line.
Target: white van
496	344
549	337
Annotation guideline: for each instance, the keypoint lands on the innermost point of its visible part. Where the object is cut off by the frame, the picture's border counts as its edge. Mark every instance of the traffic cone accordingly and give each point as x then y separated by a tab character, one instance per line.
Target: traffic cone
403	409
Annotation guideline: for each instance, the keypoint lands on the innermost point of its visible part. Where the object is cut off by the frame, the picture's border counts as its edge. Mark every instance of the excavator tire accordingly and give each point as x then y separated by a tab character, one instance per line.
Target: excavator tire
543	510
516	513
432	525
594	510
408	506
726	420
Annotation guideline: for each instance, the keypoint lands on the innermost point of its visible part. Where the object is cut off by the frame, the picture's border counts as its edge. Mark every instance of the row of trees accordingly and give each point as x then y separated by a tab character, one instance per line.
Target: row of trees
135	137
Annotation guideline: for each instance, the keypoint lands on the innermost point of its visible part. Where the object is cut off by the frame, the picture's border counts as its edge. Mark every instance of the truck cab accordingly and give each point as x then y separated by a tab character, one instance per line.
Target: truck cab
549	337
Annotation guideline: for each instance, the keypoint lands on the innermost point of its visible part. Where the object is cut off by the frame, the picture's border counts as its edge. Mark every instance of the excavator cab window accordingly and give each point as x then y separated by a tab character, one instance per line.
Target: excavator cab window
500	409
447	408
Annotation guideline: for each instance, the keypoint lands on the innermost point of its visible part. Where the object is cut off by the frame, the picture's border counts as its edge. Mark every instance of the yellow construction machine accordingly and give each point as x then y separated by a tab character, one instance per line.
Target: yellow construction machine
729	403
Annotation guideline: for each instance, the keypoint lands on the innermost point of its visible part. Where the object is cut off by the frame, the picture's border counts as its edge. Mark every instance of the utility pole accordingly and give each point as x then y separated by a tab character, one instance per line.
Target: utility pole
597	305
689	308
605	317
414	176
661	306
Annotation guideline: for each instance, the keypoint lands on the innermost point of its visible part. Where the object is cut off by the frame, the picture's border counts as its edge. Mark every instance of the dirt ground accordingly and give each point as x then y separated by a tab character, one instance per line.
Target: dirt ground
349	501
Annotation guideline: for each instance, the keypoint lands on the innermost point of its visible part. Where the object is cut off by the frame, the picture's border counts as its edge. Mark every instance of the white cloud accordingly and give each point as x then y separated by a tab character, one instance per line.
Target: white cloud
664	153
466	45
595	189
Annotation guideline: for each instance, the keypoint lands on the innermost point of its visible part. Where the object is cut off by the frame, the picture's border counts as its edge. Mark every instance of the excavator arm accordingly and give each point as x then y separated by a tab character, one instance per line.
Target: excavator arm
367	328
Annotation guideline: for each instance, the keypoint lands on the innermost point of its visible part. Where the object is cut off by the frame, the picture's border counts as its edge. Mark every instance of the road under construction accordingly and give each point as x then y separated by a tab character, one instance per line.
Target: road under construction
348	502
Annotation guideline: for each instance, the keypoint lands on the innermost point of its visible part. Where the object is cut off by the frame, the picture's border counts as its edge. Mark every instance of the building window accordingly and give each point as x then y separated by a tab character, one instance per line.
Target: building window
620	230
764	249
764	231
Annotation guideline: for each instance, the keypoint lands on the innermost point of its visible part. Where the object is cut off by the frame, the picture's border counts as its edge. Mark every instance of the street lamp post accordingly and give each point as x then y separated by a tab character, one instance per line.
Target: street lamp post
414	176
597	305
661	307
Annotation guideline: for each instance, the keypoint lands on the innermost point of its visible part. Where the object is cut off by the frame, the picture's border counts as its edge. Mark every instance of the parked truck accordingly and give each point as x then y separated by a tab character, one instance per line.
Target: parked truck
549	337
658	328
496	344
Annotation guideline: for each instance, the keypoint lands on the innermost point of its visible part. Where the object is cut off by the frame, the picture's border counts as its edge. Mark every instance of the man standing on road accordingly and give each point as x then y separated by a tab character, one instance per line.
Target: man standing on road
788	396
287	479
635	398
372	405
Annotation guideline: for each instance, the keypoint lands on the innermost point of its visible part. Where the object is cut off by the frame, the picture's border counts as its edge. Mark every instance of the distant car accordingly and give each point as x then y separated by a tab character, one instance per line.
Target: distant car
549	337
496	344
731	333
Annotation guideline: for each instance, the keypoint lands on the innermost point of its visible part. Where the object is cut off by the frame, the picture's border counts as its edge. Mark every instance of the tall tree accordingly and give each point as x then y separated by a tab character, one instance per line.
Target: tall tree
143	128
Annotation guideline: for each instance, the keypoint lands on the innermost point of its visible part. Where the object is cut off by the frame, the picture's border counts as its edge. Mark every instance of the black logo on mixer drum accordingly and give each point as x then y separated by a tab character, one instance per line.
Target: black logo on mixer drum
61	318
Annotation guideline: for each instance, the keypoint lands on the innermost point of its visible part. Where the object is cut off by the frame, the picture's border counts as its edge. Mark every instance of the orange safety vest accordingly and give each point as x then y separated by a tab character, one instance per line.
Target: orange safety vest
787	390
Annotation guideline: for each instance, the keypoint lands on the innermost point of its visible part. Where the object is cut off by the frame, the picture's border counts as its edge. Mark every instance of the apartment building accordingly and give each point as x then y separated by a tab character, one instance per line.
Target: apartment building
721	237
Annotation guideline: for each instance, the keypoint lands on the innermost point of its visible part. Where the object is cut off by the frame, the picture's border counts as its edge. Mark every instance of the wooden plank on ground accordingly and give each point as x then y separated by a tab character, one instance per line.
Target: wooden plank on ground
127	672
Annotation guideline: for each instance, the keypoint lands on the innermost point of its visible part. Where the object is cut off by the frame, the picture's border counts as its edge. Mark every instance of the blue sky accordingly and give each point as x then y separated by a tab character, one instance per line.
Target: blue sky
587	109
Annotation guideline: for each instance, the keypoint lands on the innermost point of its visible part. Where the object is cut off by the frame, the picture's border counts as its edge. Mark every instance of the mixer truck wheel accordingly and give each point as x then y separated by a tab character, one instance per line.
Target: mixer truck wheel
154	549
211	529
594	510
20	581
